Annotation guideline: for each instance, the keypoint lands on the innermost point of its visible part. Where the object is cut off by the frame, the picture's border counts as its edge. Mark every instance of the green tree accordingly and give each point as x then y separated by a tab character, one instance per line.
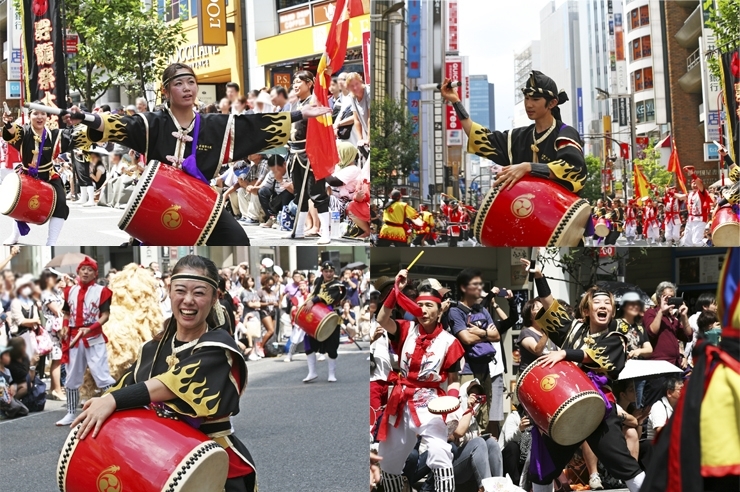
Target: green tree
394	148
592	188
656	174
148	47
725	22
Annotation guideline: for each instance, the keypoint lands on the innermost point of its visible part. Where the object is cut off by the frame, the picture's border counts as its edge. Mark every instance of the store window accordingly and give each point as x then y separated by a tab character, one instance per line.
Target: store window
171	10
646	49
647	76
650	110
286	4
644	16
639	17
636	50
635	19
641	48
638	81
640	109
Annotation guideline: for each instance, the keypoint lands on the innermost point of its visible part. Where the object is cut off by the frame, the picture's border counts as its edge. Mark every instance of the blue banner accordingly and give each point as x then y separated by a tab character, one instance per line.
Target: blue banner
413	49
579	97
414	101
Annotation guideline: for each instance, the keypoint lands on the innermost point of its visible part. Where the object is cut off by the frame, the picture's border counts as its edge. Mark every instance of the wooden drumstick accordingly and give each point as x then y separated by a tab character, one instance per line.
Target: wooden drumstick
415	260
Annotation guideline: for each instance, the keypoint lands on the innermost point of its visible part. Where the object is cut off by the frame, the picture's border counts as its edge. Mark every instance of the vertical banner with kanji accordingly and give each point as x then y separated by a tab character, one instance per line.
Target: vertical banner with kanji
413	45
43	54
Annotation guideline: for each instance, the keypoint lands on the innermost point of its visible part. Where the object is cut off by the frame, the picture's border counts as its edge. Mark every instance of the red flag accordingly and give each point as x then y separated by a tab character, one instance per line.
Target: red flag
674	166
359	7
321	145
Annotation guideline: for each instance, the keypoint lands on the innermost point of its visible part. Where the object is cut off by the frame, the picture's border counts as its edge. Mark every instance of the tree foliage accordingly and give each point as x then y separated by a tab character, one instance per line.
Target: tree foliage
592	188
394	149
119	42
725	22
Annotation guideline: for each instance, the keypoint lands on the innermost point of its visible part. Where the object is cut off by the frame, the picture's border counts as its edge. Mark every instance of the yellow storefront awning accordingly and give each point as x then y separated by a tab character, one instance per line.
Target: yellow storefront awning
306	42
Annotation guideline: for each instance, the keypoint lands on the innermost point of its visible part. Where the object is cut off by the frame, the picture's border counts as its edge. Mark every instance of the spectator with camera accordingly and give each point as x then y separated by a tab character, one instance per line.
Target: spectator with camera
667	323
276	190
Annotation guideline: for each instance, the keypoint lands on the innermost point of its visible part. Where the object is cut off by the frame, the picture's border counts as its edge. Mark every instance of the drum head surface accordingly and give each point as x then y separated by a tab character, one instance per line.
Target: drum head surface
443	405
726	234
205	470
9	190
577	418
327	326
572	226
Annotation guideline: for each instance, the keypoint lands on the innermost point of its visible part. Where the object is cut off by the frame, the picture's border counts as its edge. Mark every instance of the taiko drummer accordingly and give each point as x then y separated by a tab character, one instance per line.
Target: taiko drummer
38	146
199	143
192	370
548	148
600	350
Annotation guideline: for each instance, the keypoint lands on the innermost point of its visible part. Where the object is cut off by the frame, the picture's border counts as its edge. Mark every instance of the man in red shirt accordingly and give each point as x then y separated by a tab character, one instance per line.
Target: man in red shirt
666	324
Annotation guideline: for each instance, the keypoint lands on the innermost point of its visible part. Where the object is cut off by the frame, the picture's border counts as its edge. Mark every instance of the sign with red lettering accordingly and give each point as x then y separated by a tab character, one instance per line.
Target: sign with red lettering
453	71
452	25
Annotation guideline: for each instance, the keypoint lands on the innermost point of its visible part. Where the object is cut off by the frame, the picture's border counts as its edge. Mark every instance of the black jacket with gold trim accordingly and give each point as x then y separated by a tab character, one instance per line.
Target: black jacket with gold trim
607	350
26	141
559	155
222	138
330	293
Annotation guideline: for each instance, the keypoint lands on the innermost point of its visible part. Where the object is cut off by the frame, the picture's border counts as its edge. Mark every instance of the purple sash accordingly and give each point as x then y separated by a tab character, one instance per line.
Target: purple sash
189	165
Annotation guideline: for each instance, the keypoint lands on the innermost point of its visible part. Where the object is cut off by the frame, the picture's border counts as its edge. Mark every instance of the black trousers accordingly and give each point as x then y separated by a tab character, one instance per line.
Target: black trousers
300	170
266	197
510	455
421	238
228	232
330	346
607	443
61	210
387	243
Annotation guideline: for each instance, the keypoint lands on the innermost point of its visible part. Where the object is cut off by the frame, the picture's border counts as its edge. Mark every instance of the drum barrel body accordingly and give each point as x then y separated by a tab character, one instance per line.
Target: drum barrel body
137	450
602	227
562	401
319	321
169	206
725	228
27	199
534	212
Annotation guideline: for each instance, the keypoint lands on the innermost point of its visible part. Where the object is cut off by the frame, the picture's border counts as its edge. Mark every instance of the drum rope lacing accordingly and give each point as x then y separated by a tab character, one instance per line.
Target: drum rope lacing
537	141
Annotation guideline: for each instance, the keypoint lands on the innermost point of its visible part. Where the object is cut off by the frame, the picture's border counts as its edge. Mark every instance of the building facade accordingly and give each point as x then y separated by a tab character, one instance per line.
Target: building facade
525	61
482	111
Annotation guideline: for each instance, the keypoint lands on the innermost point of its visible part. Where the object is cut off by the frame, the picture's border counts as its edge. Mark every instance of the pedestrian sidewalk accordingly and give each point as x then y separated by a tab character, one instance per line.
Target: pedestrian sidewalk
274	237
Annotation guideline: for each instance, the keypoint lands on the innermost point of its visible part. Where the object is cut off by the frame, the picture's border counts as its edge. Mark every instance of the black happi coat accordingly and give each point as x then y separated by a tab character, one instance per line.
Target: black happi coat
221	139
208	380
561	153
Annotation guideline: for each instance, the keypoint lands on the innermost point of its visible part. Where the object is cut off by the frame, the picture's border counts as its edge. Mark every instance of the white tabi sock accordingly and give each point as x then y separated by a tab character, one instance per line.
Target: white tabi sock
634	484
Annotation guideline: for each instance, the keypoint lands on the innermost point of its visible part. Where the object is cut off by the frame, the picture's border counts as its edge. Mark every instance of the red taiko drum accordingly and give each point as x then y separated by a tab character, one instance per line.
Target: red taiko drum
169	206
725	228
27	199
319	321
534	212
562	401
138	451
602	227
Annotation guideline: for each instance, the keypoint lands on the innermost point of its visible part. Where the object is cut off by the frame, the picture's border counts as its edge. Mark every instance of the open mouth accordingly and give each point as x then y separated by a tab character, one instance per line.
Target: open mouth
188	314
602	315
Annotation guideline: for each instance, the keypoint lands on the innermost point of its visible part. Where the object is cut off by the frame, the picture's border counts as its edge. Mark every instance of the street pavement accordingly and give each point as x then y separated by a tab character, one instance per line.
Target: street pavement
621	243
98	226
303	437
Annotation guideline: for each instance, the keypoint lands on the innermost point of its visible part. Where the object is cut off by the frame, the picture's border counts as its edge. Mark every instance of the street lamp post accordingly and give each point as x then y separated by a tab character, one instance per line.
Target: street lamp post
602	94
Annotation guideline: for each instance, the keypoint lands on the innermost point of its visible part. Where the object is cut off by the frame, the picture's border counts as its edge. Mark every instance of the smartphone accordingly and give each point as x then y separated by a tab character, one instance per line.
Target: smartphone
675	301
503	293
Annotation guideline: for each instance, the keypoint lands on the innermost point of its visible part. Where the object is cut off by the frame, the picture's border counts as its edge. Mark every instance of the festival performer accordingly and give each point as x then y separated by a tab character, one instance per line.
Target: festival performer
650	225
457	220
393	232
600	350
731	194
297	335
169	136
428	357
672	209
86	310
549	148
425	235
304	182
630	221
329	290
699	205
38	147
616	217
191	370
699	447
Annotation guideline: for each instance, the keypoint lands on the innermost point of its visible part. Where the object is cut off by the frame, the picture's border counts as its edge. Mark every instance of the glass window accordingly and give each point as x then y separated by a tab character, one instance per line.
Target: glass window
284	4
638	80
636	50
635	19
650	110
645	41
632	80
171	10
640	109
647	75
644	16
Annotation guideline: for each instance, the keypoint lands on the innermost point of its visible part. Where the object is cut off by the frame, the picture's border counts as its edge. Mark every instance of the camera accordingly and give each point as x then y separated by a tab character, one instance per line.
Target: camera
675	301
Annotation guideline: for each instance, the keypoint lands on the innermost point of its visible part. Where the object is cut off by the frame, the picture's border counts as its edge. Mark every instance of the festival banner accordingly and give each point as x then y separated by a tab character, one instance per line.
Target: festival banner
642	187
321	145
43	54
731	92
674	166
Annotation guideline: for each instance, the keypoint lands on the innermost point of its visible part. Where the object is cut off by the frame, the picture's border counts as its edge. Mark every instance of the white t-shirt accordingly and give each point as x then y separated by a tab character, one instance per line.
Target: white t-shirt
660	412
496	366
381	353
